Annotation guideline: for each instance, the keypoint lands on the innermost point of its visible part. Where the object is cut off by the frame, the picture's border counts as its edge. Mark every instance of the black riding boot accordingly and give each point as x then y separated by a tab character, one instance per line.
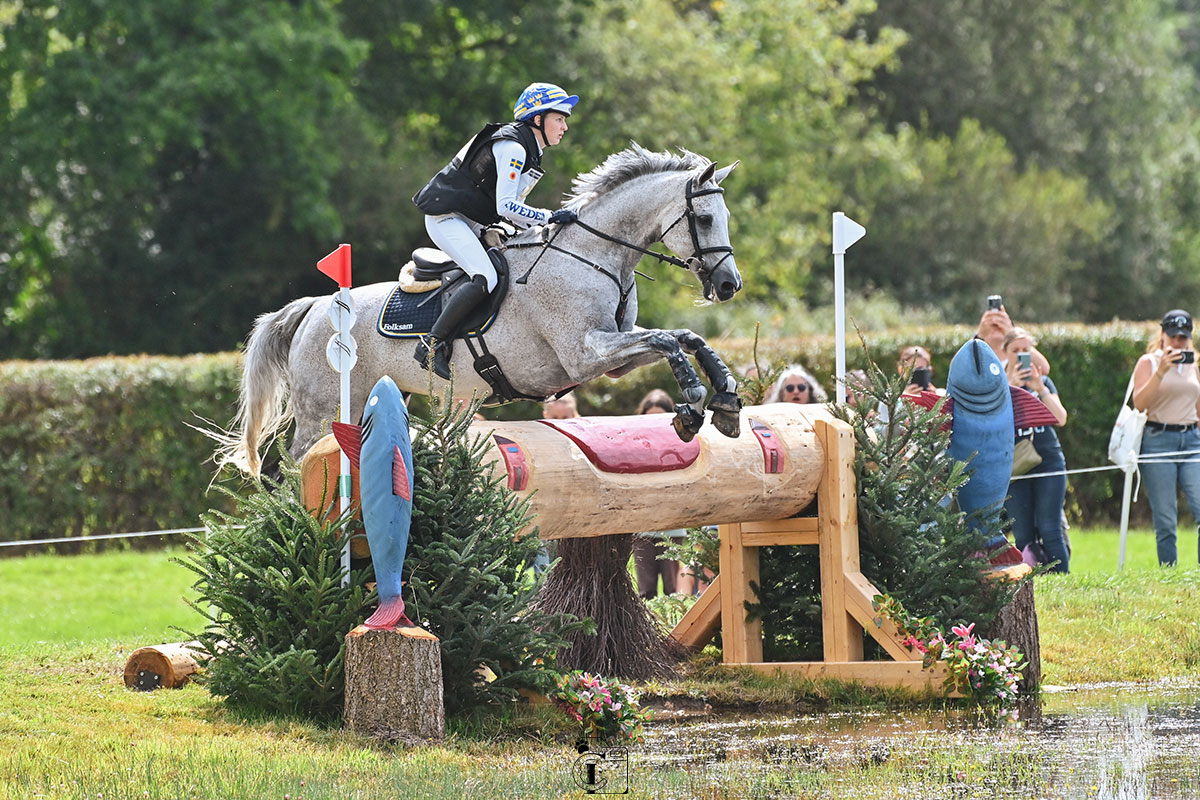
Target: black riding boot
441	335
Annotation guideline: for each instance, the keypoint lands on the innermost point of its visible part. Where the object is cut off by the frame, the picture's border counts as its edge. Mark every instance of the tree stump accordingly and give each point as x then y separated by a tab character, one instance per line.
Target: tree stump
1017	624
394	684
161	666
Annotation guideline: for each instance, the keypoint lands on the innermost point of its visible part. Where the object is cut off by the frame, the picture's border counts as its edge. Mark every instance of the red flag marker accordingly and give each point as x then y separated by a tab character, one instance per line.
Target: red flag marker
337	265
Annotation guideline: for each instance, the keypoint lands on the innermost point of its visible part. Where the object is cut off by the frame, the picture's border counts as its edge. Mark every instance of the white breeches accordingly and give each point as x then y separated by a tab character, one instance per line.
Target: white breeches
456	238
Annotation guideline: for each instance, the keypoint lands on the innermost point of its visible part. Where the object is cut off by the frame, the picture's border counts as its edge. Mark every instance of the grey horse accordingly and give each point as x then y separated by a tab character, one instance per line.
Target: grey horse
568	318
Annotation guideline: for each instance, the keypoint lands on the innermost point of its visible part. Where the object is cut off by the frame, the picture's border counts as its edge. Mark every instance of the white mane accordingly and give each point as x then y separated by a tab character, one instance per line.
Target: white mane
622	167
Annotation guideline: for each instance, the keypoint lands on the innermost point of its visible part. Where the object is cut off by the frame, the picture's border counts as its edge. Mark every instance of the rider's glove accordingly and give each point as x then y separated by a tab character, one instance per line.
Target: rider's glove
563	215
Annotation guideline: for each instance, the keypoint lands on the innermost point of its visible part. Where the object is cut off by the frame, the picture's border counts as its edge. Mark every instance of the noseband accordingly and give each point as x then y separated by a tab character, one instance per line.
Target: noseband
703	271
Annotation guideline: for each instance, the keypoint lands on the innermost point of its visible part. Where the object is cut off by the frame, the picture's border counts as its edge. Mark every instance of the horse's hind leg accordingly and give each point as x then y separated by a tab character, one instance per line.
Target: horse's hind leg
726	406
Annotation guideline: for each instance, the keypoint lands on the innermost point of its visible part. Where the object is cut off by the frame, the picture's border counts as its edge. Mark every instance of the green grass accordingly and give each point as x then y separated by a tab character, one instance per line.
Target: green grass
70	729
127	595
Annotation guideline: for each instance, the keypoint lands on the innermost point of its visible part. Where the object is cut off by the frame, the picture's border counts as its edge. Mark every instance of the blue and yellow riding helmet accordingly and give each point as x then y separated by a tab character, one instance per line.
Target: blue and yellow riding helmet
538	98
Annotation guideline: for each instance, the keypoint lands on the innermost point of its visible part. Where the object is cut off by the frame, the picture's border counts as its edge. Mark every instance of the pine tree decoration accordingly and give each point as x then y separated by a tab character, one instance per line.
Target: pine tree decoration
469	571
914	545
270	586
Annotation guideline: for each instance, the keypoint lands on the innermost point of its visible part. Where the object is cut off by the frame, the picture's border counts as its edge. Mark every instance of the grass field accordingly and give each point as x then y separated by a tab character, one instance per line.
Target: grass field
70	729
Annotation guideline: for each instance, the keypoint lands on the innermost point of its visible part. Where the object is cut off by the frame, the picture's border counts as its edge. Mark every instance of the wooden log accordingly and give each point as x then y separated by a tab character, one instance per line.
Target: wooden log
394	685
164	665
769	472
319	470
1017	624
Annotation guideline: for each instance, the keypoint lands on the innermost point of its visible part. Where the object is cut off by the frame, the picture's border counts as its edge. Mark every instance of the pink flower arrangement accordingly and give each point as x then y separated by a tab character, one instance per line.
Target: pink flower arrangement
987	671
607	708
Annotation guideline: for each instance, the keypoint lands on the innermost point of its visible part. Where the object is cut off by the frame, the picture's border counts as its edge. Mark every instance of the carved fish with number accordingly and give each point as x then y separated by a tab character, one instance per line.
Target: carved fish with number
381	448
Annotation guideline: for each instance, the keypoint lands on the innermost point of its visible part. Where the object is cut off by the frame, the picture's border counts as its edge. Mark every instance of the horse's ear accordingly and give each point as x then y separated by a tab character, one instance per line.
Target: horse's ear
722	174
707	175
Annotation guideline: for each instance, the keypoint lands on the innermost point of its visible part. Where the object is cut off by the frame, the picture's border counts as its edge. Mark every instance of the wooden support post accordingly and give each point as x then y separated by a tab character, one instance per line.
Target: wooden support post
837	523
741	639
702	621
394	684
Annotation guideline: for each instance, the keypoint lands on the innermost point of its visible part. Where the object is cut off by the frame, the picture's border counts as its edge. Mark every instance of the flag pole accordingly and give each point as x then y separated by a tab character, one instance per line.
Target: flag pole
845	233
342	354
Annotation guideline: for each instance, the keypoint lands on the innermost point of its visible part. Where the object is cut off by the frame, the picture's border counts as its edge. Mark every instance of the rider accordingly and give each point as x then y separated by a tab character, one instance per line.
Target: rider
489	180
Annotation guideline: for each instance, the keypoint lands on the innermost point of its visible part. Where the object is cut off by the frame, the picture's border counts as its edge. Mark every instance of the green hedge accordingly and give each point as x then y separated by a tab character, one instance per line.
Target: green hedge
100	446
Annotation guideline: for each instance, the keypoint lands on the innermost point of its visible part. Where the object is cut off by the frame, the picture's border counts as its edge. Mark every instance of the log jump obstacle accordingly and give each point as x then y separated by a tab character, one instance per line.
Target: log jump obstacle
597	476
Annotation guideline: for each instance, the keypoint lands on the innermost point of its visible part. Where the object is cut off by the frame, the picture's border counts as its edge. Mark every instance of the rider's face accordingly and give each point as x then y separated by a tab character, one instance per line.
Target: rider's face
555	125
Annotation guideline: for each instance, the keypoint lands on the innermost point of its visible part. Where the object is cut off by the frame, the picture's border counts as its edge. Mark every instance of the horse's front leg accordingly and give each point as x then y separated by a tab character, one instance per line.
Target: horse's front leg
726	406
606	351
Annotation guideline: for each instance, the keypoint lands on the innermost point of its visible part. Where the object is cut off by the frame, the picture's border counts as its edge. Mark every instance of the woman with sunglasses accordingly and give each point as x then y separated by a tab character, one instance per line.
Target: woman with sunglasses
1166	385
797	385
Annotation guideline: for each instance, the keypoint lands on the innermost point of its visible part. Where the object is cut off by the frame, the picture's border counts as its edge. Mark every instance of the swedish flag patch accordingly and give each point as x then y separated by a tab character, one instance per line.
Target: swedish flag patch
516	163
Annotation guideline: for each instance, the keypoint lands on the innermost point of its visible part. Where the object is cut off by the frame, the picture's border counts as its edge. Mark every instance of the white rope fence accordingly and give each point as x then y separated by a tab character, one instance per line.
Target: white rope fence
79	539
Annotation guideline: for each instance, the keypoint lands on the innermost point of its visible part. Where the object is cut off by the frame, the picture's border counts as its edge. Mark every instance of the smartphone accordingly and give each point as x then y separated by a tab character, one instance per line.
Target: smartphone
922	376
1189	356
1024	360
994	302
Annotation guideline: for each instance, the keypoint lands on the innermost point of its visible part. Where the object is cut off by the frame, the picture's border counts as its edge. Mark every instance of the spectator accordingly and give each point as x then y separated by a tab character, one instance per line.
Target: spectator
797	385
648	546
1166	386
1035	503
916	360
563	407
994	325
856	387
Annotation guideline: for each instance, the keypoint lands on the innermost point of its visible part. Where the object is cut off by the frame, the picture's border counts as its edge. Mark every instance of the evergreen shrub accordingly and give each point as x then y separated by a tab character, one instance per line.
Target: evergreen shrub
270	585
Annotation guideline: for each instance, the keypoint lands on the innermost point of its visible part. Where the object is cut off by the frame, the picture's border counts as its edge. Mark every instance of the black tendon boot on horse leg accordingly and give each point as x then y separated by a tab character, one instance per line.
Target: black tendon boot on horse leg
441	335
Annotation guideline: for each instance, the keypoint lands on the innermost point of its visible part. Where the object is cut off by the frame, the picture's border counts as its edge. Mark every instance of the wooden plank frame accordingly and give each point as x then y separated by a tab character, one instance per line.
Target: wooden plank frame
846	594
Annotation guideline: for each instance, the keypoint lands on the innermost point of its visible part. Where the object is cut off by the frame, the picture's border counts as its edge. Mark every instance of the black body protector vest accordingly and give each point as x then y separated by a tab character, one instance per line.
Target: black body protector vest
467	185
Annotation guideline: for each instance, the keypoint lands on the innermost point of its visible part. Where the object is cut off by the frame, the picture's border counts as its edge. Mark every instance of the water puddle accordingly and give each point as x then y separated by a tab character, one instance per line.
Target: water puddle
1113	742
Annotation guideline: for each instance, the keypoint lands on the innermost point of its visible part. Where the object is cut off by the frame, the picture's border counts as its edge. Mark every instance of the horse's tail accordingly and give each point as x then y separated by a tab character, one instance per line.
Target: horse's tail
262	401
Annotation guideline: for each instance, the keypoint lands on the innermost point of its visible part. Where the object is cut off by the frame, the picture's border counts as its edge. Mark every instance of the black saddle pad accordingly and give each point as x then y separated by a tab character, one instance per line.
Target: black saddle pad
406	315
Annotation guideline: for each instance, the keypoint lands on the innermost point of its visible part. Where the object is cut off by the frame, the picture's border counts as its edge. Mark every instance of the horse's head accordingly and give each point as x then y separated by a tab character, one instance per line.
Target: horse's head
706	234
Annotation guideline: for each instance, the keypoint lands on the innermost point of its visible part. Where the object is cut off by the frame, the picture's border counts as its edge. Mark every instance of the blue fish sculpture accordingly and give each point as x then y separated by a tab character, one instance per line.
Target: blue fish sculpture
381	448
985	412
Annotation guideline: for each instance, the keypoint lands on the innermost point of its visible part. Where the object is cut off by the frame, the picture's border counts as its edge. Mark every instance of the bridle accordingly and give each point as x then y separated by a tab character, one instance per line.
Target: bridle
703	271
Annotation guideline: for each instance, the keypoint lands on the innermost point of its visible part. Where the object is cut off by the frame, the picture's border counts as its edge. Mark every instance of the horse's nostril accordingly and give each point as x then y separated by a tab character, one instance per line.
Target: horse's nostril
728	289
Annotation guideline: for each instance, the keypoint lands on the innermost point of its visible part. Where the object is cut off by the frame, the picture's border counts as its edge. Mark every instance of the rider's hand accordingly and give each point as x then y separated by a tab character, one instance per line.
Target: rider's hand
563	215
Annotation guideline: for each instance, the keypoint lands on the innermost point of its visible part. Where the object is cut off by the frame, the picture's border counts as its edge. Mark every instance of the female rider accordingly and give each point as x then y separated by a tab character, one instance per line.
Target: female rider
488	180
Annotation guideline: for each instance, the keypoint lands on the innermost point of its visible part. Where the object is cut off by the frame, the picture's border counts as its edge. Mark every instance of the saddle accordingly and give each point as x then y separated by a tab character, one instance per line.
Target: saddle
412	306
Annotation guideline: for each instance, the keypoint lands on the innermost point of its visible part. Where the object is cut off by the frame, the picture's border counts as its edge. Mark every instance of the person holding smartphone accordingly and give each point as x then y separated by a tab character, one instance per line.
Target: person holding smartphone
1166	385
1035	501
916	362
995	324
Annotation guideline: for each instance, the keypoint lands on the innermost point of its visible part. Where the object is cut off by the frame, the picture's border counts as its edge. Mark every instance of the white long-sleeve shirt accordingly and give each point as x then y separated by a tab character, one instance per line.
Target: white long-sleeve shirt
512	185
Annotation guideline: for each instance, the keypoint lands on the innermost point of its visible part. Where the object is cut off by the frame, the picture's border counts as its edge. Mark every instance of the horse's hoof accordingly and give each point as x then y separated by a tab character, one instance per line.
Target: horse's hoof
726	401
687	422
727	423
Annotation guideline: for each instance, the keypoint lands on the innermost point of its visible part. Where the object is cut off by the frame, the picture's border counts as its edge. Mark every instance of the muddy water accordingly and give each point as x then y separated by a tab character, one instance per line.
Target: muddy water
1092	742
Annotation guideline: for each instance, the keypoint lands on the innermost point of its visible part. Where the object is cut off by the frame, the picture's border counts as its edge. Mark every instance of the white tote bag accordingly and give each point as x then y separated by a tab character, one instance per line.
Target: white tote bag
1125	442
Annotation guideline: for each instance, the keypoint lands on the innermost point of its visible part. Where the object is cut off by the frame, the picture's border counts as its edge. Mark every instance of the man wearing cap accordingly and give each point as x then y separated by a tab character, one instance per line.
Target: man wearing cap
488	181
1166	385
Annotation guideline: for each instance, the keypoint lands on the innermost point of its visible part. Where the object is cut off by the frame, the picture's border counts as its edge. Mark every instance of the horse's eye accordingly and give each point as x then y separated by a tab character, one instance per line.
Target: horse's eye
705	219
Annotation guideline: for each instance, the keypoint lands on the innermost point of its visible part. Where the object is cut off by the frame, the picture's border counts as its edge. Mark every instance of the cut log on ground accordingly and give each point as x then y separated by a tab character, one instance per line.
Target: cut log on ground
394	685
1017	624
165	666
